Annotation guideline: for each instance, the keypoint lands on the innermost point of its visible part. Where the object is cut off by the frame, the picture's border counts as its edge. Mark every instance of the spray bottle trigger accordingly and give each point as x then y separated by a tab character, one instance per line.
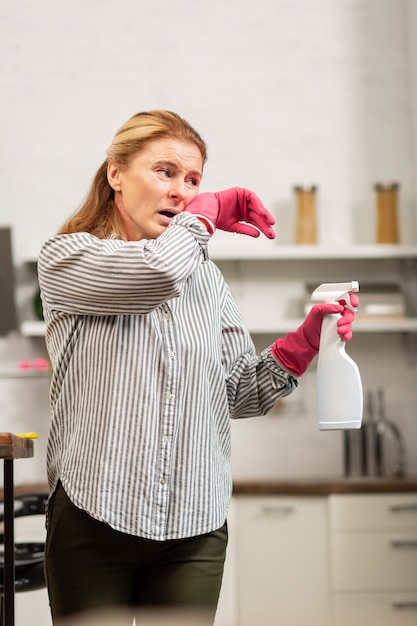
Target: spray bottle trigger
348	304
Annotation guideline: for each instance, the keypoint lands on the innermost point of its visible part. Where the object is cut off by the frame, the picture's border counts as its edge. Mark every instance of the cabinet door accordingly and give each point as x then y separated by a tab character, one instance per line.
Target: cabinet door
282	553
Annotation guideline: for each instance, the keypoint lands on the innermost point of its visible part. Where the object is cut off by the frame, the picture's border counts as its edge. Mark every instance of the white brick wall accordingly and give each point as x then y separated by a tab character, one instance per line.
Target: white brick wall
284	91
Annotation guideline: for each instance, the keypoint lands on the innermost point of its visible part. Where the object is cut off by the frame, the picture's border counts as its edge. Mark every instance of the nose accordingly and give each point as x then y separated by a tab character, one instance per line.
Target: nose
178	190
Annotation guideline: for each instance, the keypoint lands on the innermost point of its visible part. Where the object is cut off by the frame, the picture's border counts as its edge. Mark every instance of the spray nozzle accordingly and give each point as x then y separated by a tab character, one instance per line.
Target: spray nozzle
335	292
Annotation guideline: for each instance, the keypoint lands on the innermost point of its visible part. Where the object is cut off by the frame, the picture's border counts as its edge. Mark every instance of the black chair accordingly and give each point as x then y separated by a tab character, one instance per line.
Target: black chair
29	556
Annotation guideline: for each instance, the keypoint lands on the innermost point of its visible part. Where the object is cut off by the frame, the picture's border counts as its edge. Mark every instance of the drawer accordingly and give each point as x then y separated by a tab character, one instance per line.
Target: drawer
374	560
375	609
376	511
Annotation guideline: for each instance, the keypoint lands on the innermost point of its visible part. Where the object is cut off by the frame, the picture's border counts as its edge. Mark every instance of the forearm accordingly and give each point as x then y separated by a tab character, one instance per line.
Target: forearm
256	383
88	276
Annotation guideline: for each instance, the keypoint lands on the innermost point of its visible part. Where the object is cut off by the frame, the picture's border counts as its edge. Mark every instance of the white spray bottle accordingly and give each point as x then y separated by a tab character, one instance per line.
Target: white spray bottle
339	385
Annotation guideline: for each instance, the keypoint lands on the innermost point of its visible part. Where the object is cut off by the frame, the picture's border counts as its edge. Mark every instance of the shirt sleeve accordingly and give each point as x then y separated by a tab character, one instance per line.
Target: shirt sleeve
254	383
83	275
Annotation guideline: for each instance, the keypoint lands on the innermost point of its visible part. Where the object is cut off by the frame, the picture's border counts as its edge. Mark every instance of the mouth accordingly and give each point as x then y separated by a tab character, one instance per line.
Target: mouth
167	213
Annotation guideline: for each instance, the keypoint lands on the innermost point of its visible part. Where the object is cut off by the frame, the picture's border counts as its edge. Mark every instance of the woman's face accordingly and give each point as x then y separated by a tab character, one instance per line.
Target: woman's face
160	182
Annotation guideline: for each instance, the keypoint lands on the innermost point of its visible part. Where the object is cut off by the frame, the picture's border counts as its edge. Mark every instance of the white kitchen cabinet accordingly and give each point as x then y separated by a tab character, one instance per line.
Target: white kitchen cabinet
282	561
373	548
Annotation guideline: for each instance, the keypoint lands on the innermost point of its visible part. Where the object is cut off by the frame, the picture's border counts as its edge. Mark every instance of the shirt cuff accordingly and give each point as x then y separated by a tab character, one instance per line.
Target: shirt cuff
207	223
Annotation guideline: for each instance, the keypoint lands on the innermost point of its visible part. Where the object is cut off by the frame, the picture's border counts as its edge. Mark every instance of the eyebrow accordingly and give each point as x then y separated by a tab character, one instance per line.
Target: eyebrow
173	164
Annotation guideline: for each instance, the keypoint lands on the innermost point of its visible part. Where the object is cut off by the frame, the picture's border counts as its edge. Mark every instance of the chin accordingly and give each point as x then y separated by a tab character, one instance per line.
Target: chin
158	232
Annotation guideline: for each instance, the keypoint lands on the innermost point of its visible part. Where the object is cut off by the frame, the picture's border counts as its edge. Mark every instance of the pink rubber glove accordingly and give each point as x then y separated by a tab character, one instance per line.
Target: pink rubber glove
236	210
296	351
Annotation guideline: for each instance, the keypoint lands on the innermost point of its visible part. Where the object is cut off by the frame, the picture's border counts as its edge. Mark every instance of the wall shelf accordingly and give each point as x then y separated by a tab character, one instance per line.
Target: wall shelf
17	372
37	329
405	325
226	247
315	260
33	328
269	281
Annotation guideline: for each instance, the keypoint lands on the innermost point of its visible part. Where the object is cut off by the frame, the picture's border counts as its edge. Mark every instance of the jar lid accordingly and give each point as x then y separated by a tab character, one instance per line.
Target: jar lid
382	186
306	188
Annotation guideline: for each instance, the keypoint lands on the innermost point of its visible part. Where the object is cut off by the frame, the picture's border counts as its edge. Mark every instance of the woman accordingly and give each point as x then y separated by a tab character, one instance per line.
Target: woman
150	361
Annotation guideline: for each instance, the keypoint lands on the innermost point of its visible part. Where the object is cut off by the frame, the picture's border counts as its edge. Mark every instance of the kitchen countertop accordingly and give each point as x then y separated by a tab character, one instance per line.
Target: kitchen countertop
310	486
322	486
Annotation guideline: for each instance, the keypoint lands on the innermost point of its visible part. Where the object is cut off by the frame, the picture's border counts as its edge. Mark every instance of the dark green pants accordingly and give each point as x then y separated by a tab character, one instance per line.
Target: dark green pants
89	566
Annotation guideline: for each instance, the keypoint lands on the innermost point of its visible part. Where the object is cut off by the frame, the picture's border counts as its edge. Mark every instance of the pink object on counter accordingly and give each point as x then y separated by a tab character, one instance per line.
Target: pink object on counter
37	364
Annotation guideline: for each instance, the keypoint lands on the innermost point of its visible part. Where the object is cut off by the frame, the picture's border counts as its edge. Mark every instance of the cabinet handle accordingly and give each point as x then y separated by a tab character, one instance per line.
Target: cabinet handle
403	543
277	510
404	604
406	506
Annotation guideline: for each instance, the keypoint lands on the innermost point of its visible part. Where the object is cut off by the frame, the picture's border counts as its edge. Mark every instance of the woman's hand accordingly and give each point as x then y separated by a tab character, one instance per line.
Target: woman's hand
296	351
235	210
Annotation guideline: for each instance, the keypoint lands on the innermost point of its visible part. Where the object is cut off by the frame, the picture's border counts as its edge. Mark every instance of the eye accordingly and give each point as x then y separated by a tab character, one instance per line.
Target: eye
164	171
193	182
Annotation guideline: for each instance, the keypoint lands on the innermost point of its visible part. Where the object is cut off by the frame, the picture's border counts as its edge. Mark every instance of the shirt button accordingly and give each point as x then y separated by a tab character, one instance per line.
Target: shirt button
163	481
171	355
170	396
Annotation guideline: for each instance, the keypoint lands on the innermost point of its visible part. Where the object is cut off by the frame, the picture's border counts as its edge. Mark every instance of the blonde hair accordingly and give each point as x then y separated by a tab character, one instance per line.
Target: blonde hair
98	214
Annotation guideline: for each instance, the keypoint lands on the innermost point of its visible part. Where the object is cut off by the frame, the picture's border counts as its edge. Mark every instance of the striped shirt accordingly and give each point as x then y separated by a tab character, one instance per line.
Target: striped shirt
150	360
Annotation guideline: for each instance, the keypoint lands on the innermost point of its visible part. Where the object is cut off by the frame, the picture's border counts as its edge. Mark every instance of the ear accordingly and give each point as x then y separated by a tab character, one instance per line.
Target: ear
113	175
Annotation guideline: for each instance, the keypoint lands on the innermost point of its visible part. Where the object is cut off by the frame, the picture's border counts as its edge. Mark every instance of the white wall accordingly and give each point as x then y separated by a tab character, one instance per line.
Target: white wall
411	46
284	91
